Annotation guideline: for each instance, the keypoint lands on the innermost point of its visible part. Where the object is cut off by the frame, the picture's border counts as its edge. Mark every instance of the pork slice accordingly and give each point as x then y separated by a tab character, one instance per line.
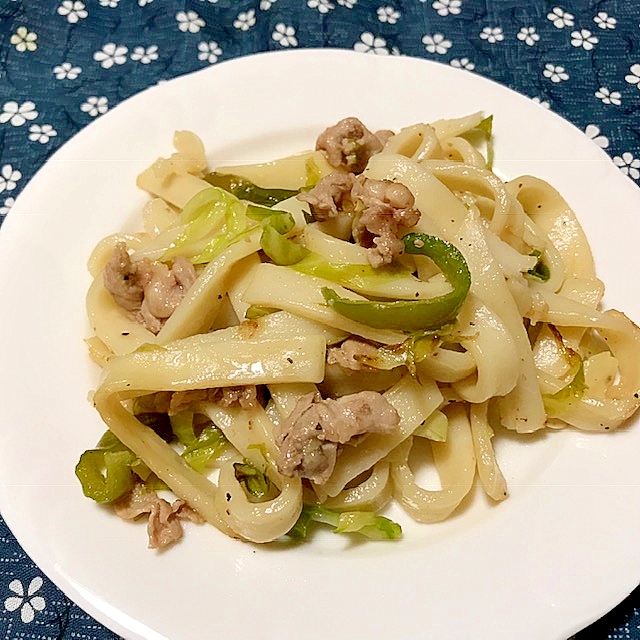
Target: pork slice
349	144
351	353
164	526
331	195
121	279
245	396
151	291
309	438
386	211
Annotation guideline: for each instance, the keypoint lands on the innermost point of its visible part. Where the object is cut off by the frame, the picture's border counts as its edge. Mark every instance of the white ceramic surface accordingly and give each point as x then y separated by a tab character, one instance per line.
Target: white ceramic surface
560	552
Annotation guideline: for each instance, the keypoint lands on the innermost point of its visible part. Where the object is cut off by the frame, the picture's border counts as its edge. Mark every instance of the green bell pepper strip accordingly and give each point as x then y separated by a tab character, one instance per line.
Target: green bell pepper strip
105	474
540	271
413	315
247	190
255	482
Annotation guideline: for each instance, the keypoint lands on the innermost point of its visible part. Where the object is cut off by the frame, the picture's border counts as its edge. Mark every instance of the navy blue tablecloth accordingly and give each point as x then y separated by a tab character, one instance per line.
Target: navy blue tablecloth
64	63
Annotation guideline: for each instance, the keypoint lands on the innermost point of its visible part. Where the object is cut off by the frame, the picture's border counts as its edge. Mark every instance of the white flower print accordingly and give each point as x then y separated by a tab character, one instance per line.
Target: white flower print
73	10
209	51
24	40
144	3
17	114
323	6
436	43
245	20
446	7
560	18
28	602
66	71
145	55
112	4
111	54
555	73
265	5
492	34
634	76
95	105
371	44
349	4
604	20
463	63
8	181
6	207
629	165
41	133
609	97
189	21
388	14
584	38
284	35
543	103
592	131
528	35
211	1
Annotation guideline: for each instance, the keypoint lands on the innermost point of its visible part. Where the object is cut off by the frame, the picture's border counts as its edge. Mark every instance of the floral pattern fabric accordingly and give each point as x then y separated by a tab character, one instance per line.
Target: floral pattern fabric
64	63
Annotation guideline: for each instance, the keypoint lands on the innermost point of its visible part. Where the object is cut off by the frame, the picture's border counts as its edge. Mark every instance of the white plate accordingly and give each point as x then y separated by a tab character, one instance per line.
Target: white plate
560	552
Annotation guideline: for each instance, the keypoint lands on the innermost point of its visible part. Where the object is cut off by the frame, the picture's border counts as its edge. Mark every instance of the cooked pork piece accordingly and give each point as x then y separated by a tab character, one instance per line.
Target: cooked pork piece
244	396
121	279
381	211
349	144
165	287
383	135
149	290
308	439
163	525
387	209
331	197
351	353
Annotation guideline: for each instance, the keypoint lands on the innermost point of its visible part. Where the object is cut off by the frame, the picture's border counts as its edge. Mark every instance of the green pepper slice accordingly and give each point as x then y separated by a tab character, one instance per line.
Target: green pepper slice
246	190
105	474
540	270
255	482
413	315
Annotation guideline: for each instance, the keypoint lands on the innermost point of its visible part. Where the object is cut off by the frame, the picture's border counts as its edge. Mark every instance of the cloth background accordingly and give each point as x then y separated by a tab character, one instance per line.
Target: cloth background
63	63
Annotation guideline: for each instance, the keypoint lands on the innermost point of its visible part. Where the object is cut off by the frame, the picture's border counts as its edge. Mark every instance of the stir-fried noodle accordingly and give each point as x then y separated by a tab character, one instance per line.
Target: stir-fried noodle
280	337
